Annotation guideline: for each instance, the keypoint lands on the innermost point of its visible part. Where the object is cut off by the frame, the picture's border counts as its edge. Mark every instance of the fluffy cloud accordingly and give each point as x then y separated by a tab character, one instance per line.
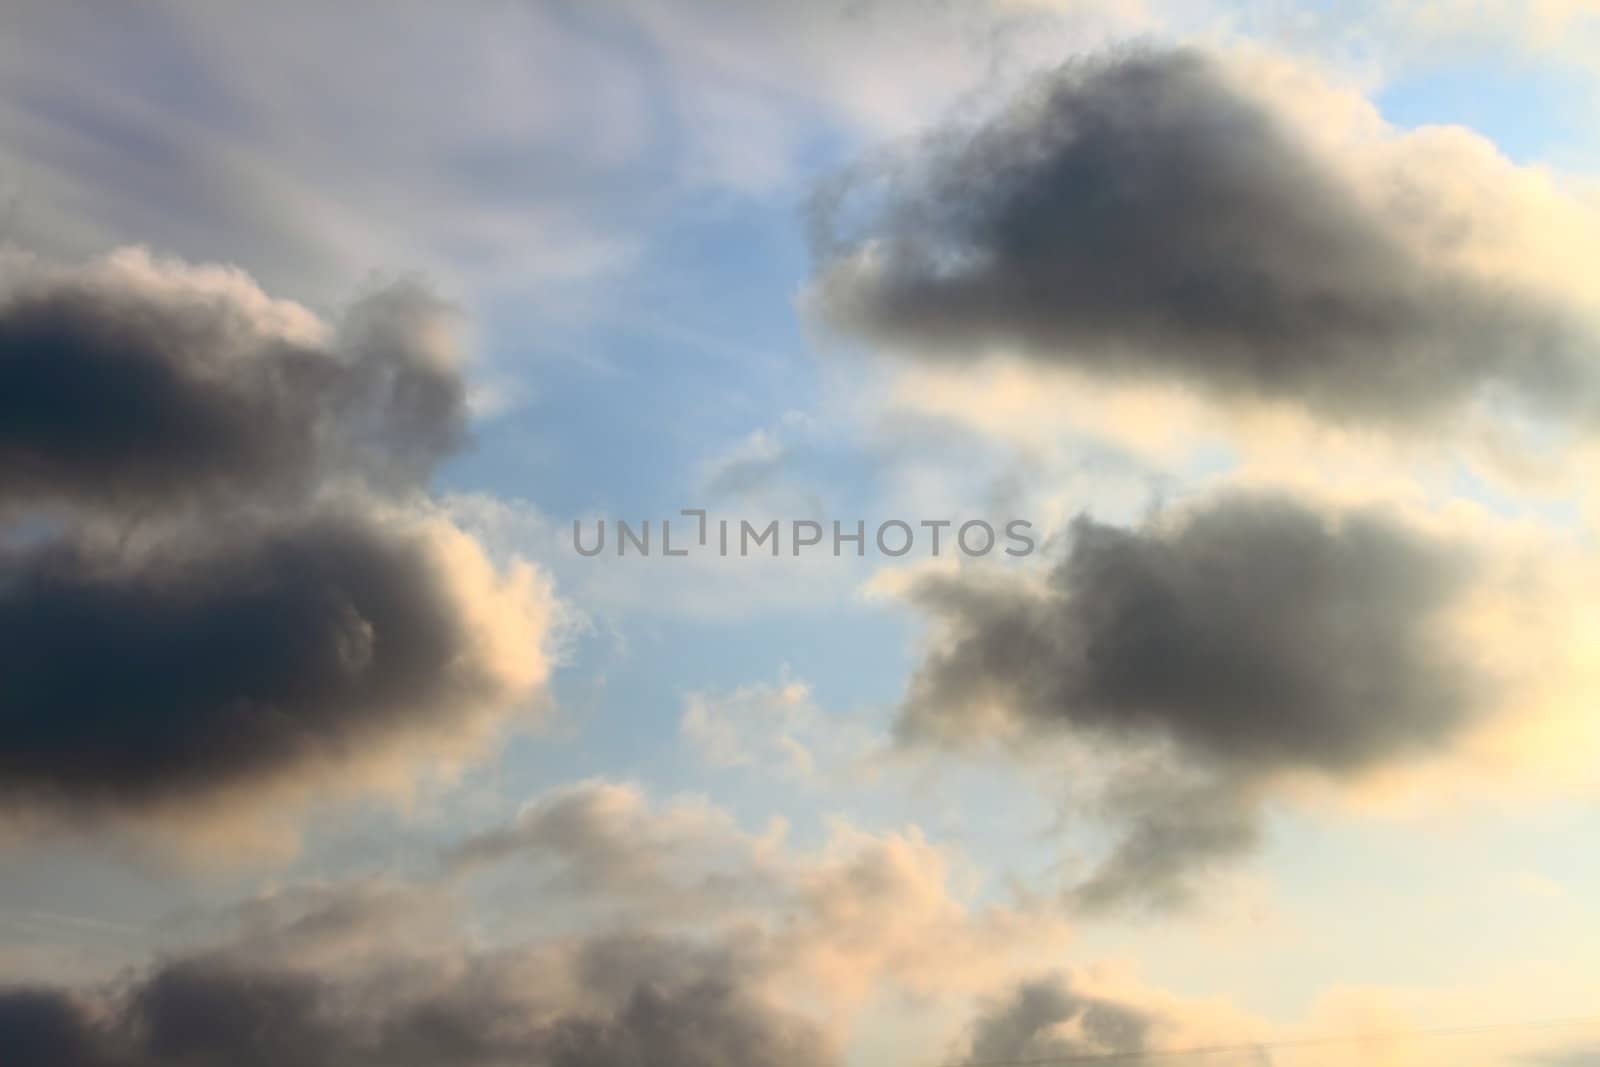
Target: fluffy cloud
1176	828
133	383
1050	1019
196	665
828	925
1033	1022
457	143
398	973
389	972
1254	633
778	730
217	1010
603	838
223	572
1231	224
1243	642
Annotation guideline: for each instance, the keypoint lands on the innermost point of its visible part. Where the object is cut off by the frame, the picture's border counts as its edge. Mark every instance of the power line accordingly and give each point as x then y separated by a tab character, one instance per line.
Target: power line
1268	1046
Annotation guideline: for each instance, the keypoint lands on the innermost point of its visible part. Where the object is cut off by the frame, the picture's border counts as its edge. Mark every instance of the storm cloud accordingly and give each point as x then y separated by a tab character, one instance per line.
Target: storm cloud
377	972
1254	632
1174	831
1157	214
1052	1019
134	677
222	570
1046	1018
1249	636
134	384
220	1012
411	971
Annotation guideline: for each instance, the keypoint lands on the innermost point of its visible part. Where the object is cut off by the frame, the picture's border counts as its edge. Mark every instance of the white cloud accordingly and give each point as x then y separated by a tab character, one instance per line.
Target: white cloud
778	729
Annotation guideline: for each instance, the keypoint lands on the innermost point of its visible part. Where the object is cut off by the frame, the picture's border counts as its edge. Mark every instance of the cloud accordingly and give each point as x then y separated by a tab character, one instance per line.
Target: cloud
1032	1022
779	731
365	973
452	147
1212	652
755	463
517	151
415	973
1253	632
1051	1019
603	840
753	85
222	572
215	1011
385	972
133	383
204	663
1174	831
827	924
1226	222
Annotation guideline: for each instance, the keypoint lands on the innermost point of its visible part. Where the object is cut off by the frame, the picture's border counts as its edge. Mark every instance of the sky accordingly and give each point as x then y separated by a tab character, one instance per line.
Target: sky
1258	334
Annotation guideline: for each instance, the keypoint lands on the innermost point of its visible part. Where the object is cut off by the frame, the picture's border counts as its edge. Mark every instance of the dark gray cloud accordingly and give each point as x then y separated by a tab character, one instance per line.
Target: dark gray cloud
1049	1018
205	662
1251	636
42	1026
1255	632
144	387
381	973
1140	214
219	569
706	1024
218	1011
1173	833
413	973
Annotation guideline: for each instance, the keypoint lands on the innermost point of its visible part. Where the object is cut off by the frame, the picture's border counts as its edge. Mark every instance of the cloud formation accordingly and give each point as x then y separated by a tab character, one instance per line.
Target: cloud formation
1253	635
1045	1018
1180	215
604	838
134	383
827	924
1051	1019
1255	632
400	973
385	972
223	572
141	677
359	973
218	1011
